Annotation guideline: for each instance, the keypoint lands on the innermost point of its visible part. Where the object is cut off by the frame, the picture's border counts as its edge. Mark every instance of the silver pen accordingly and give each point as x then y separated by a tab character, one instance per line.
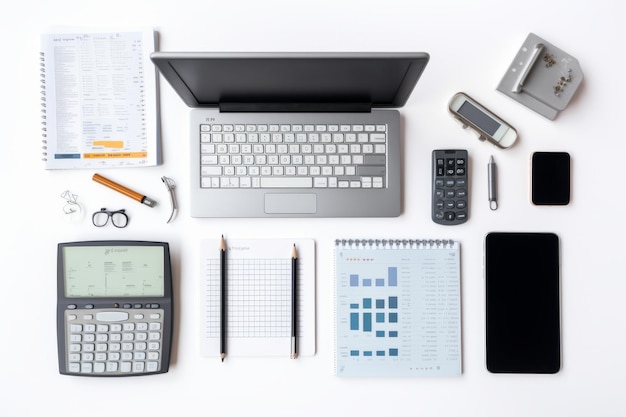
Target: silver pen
492	184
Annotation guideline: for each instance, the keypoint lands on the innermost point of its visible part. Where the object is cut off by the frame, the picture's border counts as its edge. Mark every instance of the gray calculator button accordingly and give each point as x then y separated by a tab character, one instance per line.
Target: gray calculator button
112	316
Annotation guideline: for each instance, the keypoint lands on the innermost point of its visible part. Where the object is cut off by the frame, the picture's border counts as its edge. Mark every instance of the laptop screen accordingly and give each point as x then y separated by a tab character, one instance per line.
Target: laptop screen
370	79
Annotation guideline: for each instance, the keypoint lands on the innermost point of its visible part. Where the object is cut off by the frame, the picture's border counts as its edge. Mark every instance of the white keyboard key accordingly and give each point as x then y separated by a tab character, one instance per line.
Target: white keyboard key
209	160
320	182
286	182
245	182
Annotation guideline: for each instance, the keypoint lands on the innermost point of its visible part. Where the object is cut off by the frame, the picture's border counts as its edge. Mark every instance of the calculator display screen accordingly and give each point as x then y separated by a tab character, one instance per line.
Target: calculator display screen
114	271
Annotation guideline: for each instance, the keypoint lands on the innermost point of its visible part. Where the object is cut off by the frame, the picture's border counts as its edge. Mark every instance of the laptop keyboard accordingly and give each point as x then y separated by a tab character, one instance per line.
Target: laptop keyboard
293	156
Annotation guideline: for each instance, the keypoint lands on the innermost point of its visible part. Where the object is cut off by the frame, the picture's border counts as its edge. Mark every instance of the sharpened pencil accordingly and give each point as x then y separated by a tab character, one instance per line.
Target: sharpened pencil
222	298
294	302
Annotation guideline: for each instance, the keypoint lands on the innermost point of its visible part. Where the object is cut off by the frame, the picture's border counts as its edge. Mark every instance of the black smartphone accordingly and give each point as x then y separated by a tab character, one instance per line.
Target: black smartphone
523	332
550	178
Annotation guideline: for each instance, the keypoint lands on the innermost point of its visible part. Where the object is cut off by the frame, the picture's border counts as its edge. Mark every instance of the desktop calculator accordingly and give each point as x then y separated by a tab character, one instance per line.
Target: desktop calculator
114	308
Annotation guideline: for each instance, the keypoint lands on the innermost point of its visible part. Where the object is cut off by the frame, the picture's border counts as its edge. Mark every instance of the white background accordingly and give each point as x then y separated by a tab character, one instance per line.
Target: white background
471	45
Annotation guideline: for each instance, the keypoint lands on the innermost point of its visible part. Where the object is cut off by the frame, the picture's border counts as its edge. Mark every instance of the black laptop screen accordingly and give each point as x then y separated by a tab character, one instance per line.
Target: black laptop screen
206	80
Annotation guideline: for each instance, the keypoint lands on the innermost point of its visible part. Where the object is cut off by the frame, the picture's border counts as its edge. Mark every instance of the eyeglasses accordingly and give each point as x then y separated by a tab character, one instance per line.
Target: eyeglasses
118	218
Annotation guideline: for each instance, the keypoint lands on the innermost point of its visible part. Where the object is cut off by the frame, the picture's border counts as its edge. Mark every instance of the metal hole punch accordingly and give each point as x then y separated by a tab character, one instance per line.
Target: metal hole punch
171	185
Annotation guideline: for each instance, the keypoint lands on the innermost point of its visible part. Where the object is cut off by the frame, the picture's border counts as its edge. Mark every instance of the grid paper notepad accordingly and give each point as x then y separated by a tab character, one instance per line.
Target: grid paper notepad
258	297
398	308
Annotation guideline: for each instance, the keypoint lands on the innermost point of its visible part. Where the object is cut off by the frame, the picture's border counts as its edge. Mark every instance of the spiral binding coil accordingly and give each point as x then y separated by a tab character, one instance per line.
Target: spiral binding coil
44	122
395	243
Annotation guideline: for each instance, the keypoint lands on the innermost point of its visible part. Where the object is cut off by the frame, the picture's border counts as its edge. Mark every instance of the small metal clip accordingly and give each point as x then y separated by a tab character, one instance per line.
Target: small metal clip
171	185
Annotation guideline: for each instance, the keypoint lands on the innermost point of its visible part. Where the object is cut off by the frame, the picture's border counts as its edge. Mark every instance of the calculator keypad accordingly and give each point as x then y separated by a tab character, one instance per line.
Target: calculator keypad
450	187
114	342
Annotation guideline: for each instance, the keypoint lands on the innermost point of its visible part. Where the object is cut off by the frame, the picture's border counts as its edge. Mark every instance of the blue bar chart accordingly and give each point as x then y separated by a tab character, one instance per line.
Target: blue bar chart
398	312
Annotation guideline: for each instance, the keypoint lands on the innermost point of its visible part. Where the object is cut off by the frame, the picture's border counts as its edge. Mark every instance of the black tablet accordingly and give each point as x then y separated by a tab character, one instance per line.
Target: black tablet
523	333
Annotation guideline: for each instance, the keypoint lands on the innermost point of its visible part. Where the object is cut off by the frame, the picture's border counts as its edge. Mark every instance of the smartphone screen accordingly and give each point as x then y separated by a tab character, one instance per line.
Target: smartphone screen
550	178
523	332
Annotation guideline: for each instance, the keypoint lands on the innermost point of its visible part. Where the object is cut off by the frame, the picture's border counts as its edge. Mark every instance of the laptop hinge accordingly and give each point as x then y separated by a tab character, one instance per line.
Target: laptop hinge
296	107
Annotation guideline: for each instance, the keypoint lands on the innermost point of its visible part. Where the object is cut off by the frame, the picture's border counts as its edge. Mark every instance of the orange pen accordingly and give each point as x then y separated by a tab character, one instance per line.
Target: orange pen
126	191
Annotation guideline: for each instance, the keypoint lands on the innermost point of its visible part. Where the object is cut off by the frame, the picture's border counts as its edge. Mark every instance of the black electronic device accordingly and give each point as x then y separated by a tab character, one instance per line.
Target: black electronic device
522	303
114	308
550	178
450	187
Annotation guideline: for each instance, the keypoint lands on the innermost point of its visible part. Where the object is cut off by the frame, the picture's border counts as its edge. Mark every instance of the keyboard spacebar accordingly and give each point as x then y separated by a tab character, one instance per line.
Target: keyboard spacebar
286	182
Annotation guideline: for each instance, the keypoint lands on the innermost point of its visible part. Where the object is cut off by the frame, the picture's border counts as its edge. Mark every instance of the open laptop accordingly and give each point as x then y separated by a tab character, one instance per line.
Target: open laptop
294	134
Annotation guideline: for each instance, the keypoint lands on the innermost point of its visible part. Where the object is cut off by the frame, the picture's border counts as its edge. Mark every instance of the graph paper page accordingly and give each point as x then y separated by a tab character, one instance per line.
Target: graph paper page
258	297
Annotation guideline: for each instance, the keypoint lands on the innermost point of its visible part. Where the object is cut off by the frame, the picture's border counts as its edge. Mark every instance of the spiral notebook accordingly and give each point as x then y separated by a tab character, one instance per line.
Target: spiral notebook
99	106
398	308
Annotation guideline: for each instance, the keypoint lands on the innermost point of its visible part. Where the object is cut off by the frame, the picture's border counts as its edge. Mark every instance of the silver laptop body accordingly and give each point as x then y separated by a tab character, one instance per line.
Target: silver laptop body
266	130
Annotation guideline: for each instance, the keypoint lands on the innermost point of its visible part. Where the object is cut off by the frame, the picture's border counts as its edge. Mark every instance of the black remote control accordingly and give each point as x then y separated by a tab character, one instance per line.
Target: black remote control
450	198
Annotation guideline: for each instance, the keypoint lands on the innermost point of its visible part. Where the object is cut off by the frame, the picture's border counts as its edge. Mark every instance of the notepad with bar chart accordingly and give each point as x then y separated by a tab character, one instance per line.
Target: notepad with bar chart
398	308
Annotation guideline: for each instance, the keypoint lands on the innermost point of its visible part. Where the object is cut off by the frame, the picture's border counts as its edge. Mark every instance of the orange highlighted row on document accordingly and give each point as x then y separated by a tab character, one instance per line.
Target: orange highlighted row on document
109	143
105	155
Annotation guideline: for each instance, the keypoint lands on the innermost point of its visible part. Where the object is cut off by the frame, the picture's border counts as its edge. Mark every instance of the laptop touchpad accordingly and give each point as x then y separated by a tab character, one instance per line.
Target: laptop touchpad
290	203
